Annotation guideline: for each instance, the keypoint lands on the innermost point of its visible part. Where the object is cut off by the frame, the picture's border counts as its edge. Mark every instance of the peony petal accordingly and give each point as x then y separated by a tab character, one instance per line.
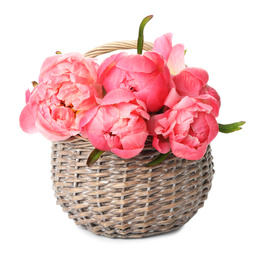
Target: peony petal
52	130
199	73
117	96
88	116
27	95
184	151
27	120
131	109
153	123
106	118
176	61
213	127
163	45
98	141
64	115
52	136
161	144
211	91
135	141
191	141
126	154
157	59
56	59
115	79
172	99
99	121
48	63
185	103
190	81
136	63
158	92
211	102
108	64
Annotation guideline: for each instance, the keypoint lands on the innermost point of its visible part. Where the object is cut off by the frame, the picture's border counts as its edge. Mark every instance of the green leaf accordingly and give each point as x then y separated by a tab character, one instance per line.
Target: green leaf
185	52
94	156
161	157
229	128
141	33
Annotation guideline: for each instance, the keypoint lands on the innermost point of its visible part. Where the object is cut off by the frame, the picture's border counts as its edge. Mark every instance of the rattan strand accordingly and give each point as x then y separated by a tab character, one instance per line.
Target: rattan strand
114	46
124	198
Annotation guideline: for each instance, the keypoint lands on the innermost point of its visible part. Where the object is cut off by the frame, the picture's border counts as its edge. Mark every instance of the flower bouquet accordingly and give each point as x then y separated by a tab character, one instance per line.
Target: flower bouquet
131	137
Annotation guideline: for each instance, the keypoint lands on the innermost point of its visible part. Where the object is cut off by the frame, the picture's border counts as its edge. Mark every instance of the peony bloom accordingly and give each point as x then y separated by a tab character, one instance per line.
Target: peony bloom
174	55
147	76
189	124
212	92
187	128
192	82
118	124
67	88
188	81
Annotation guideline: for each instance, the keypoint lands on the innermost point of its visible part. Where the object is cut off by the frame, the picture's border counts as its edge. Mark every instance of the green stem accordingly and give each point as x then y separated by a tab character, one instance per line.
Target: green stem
94	156
229	128
161	157
141	33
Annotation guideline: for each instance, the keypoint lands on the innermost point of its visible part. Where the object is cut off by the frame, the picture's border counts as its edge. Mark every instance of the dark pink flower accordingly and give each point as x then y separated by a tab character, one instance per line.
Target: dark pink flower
147	76
187	128
191	81
118	124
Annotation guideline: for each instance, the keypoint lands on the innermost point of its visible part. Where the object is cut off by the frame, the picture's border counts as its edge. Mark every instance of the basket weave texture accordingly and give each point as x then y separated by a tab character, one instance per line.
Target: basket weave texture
124	198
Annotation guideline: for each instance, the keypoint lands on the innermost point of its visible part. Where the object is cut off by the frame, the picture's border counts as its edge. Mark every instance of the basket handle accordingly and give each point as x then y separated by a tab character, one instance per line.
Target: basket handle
114	46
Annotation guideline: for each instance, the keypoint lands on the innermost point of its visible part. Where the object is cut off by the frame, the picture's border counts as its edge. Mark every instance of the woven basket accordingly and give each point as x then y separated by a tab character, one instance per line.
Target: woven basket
124	198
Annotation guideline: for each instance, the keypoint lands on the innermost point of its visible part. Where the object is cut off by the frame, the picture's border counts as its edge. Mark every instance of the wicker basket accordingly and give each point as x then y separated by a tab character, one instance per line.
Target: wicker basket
124	198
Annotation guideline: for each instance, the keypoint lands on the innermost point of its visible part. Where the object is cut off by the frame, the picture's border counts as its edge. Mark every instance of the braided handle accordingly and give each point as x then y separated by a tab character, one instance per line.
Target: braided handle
114	46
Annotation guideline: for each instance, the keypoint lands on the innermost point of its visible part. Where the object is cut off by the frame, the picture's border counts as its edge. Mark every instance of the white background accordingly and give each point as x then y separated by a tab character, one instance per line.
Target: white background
220	36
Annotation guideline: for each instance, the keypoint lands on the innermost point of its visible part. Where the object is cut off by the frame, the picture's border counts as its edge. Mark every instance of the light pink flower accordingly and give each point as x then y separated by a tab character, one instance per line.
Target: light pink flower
187	128
67	88
118	124
174	55
147	76
75	78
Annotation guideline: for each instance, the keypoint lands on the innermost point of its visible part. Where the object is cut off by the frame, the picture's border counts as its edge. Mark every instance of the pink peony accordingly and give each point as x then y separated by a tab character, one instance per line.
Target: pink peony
187	128
67	88
118	124
188	81
189	124
174	55
147	76
192	82
212	92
